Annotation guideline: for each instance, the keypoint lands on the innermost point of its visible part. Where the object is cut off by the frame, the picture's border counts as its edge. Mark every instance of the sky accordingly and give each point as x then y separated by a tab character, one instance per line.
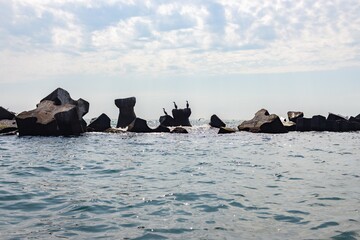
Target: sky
226	57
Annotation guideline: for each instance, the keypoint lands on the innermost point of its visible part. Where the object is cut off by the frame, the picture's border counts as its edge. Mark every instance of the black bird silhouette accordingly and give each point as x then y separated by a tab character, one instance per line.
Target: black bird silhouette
165	112
175	105
187	104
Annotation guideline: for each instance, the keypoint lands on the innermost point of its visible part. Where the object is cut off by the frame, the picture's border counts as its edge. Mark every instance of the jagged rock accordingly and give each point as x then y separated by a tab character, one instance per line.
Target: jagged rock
289	125
139	126
225	130
99	124
167	121
216	122
263	122
293	115
126	111
303	124
7	126
354	119
55	115
5	114
179	130
318	123
181	117
335	117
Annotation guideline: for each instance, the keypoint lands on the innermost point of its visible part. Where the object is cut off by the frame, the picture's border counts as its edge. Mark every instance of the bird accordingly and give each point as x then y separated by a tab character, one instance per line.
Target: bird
175	105
165	112
187	104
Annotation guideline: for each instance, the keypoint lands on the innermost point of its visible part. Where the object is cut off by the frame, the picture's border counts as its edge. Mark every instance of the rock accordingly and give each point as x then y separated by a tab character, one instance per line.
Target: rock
335	117
5	114
167	121
225	130
99	124
179	130
303	124
216	122
354	126
114	130
354	119
332	126
126	111
181	117
358	117
55	115
161	129
344	125
7	126
263	122
289	125
139	126
293	115
318	123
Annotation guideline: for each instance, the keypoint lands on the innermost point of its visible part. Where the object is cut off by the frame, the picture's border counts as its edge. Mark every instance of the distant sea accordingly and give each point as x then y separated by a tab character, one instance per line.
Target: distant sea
199	185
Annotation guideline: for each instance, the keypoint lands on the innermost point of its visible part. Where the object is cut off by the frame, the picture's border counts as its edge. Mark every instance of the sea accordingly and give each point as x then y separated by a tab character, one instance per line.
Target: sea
200	185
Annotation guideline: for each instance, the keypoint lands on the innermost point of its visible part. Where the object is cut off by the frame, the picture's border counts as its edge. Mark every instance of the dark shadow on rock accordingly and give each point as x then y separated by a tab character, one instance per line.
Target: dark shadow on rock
294	115
126	111
263	122
99	124
216	122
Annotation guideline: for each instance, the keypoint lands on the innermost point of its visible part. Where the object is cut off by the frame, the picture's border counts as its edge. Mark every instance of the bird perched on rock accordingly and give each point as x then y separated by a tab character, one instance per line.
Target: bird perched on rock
175	105
165	112
187	104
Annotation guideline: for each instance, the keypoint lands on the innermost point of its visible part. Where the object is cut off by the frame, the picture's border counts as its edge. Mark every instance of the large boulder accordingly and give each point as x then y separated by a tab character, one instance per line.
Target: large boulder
289	125
181	117
263	122
167	121
332	126
99	124
7	126
303	124
5	114
335	117
293	115
318	123
126	111
56	115
216	122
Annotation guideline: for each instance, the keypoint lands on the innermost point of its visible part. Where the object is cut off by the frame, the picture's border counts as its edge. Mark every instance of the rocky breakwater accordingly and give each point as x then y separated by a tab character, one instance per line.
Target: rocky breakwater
263	122
56	115
8	124
180	117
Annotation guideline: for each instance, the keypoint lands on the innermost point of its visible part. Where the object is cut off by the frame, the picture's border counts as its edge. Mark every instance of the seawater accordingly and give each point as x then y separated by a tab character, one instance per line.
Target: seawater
199	185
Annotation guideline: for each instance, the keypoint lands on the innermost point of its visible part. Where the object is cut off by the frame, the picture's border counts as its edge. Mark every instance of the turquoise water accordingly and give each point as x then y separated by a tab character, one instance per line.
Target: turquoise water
167	186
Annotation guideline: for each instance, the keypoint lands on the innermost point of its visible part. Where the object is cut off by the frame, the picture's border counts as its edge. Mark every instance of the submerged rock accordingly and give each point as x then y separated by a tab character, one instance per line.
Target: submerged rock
56	115
293	115
179	130
126	111
263	122
99	124
6	115
216	122
225	130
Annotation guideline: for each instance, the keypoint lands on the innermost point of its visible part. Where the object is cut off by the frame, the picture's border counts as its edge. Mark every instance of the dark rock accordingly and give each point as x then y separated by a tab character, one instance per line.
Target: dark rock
318	123
263	122
358	117
55	115
5	114
290	126
332	126
293	115
353	119
114	130
216	122
303	124
344	125
139	126
161	129
7	126
335	117
179	130
181	117
225	130
354	126
99	124
126	111
167	121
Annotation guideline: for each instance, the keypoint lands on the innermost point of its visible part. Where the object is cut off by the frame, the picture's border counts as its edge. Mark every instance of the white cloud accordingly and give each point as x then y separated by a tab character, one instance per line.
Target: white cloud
158	37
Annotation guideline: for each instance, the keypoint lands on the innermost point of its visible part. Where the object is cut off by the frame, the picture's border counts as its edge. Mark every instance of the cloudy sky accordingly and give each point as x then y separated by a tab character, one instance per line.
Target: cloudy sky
229	57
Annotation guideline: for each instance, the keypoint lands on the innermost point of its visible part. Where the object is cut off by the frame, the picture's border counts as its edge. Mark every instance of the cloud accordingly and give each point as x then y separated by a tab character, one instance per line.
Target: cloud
165	37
